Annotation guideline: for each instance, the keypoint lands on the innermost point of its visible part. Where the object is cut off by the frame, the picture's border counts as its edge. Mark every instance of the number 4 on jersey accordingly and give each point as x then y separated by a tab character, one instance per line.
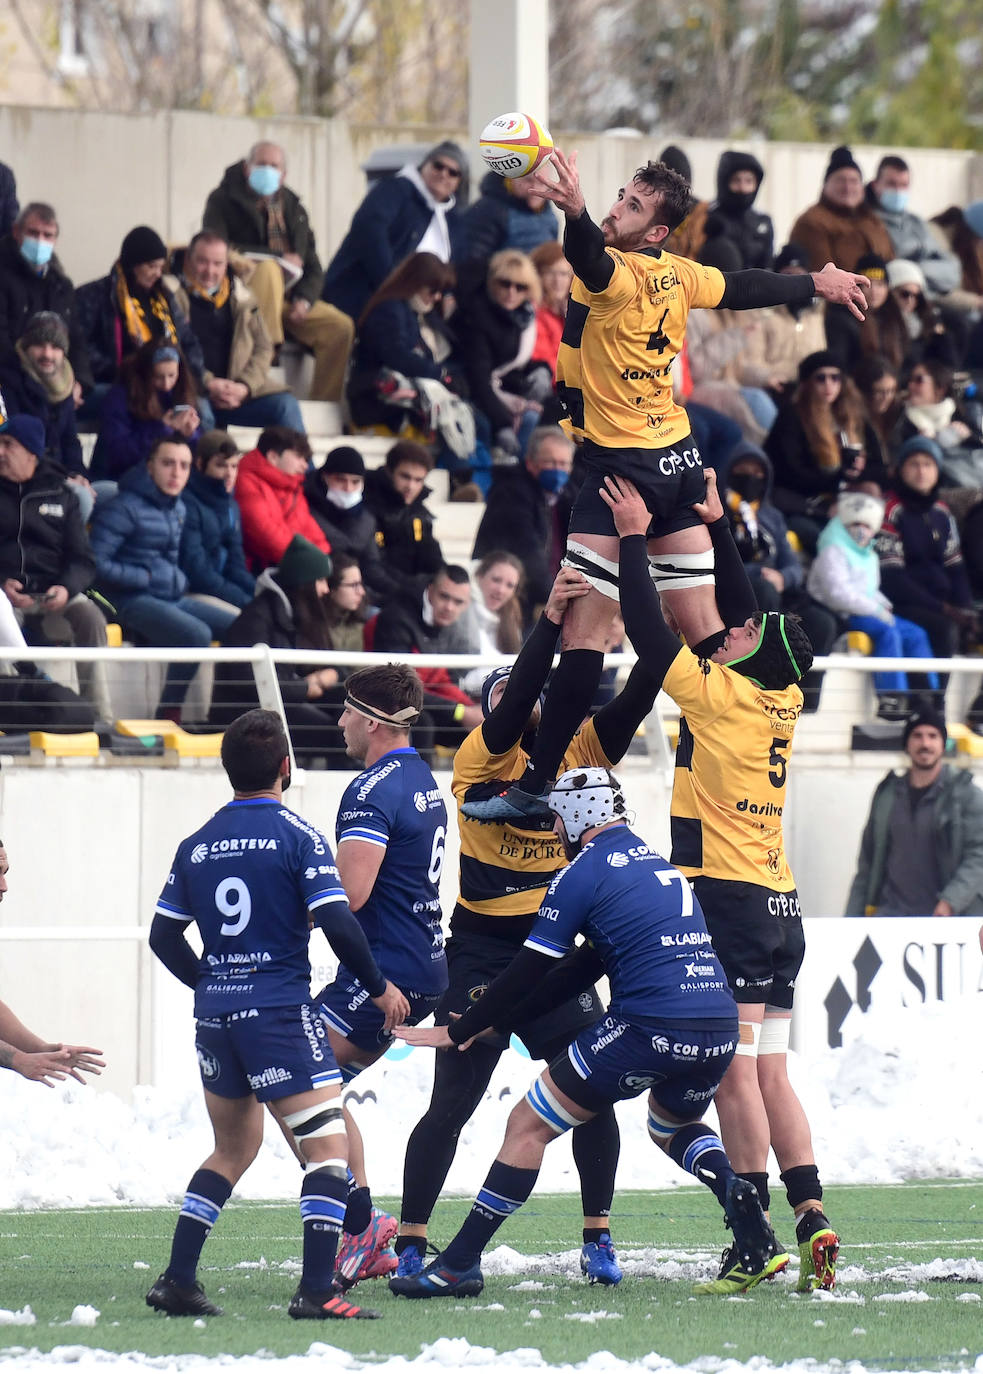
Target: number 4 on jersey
658	341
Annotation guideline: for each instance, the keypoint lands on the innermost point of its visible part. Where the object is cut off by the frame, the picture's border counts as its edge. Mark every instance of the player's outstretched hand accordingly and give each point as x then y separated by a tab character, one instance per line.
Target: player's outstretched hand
432	1037
567	586
631	515
711	507
842	288
393	1006
51	1065
84	1059
564	192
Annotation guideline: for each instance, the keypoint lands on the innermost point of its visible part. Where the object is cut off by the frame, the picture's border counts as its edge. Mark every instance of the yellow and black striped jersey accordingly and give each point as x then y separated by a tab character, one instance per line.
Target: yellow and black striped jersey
728	791
613	369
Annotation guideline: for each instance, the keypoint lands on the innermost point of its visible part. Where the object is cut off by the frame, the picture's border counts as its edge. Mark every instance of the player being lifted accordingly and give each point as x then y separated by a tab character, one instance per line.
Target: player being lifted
625	324
254	879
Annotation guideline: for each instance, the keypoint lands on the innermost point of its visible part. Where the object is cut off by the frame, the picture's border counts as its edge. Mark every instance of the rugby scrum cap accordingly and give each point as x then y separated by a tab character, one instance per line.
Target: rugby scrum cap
782	655
585	797
496	676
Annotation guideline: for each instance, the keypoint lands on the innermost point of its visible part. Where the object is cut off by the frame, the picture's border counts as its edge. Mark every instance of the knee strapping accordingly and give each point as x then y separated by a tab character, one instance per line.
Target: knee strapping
678	572
601	573
310	1123
335	1168
546	1107
748	1038
776	1031
660	1130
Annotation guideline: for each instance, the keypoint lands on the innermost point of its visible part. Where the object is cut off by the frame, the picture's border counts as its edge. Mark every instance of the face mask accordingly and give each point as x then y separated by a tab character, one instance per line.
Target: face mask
213	290
553	480
893	200
265	181
344	500
747	485
738	201
37	251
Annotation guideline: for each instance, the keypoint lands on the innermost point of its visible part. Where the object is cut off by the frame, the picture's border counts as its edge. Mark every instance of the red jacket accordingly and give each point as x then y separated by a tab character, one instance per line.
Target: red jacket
549	331
274	509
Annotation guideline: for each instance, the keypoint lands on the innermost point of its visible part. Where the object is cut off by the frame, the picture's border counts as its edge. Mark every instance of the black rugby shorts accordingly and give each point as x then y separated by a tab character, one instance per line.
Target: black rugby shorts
669	480
758	936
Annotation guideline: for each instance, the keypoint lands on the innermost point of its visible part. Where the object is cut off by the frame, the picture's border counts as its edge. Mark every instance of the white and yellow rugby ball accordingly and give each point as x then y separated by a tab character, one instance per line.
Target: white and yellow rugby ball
513	145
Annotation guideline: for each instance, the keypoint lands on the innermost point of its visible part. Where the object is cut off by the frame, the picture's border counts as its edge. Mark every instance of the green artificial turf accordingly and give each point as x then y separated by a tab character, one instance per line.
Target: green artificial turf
56	1260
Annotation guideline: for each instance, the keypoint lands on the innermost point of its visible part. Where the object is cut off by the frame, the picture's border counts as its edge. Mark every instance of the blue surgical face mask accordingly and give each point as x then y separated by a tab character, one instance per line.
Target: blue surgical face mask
37	251
264	180
553	480
894	200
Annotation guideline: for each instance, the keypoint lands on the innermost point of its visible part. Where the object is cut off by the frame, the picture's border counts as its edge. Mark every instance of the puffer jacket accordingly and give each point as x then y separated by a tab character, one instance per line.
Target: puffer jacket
136	540
211	553
731	216
273	509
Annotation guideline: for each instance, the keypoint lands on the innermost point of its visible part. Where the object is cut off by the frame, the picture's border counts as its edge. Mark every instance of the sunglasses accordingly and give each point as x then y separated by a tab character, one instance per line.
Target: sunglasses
828	376
904	295
507	285
447	167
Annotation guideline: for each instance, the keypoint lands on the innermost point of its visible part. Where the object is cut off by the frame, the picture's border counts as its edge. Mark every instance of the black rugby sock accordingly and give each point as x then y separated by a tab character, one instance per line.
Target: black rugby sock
699	1151
571	692
207	1194
358	1214
596	1145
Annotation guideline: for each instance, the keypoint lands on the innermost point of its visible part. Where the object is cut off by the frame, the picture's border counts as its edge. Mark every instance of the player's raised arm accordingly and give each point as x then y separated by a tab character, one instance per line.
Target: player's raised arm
754	288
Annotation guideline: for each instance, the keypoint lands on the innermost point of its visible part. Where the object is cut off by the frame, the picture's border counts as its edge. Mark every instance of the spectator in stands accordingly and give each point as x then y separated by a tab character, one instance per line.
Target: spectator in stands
716	341
428	620
931	411
39	381
507	215
845	577
271	498
927	333
495	331
877	382
820	443
779	337
335	494
345	607
236	347
9	207
555	279
888	196
882	332
528	511
46	564
922	568
732	215
154	399
264	221
961	231
841	227
211	554
136	540
396	494
921	853
687	238
288	612
495	615
411	212
130	307
32	280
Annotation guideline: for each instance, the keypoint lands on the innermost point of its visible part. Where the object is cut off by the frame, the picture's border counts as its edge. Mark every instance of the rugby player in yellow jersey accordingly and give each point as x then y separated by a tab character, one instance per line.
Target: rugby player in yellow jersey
505	869
625	324
740	706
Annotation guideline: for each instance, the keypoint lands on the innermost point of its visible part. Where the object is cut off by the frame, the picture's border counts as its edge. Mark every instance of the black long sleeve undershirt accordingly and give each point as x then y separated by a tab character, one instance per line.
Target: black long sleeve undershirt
754	288
617	722
506	724
169	943
654	642
494	1007
583	248
735	595
572	974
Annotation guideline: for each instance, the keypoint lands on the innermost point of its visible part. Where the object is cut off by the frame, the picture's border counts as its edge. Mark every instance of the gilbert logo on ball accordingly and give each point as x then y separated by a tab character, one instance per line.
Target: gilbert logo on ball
513	145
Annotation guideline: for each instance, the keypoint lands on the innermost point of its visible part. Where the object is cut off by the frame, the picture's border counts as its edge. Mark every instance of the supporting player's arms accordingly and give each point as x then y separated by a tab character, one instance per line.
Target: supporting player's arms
734	594
493	1007
574	973
168	942
617	722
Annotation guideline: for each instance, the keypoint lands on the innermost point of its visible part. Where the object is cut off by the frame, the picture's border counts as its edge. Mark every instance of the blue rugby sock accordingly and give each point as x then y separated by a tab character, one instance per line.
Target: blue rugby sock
699	1151
207	1194
322	1210
503	1192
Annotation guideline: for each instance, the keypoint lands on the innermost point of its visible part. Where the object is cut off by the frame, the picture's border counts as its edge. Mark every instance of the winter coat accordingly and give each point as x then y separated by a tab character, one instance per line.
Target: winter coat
958	844
236	212
125	439
404	532
829	233
774	550
211	553
9	208
776	340
24	395
352	532
728	218
266	619
921	559
42	537
800	483
498	219
136	540
912	239
385	229
102	326
251	350
845	577
389	337
488	337
24	292
401	629
519	519
273	509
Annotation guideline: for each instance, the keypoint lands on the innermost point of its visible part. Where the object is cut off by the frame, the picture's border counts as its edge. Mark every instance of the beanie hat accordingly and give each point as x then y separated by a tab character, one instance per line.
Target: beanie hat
973	215
860	508
141	245
838	159
904	272
450	150
212	442
919	443
812	363
302	563
924	714
45	327
872	265
676	159
792	255
344	459
28	431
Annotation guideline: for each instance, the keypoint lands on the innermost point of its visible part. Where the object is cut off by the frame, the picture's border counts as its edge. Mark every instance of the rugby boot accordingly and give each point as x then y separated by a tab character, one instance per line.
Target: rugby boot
510	803
366	1255
332	1306
755	1254
599	1263
177	1301
819	1246
438	1280
733	1277
410	1261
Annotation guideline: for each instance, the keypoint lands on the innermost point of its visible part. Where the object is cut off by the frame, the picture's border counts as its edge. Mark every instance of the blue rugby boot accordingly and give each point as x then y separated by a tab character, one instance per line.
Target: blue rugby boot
599	1263
438	1280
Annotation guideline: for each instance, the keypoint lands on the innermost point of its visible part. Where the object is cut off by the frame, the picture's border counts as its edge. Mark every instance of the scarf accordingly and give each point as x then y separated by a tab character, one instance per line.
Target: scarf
277	237
864	562
436	237
58	387
220	297
133	314
932	419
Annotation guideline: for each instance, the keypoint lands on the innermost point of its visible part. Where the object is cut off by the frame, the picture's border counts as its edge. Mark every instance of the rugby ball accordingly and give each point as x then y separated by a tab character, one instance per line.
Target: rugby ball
513	145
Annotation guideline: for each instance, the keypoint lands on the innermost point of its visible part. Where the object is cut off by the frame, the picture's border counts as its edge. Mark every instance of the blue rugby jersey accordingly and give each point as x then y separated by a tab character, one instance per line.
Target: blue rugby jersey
396	804
641	916
251	879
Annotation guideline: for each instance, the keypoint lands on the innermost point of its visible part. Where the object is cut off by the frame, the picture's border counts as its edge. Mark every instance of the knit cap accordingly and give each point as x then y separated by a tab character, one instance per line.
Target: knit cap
838	159
344	458
142	244
302	563
45	327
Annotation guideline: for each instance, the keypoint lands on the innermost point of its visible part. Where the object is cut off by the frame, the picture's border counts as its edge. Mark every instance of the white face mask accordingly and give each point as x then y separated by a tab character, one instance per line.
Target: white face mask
344	500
